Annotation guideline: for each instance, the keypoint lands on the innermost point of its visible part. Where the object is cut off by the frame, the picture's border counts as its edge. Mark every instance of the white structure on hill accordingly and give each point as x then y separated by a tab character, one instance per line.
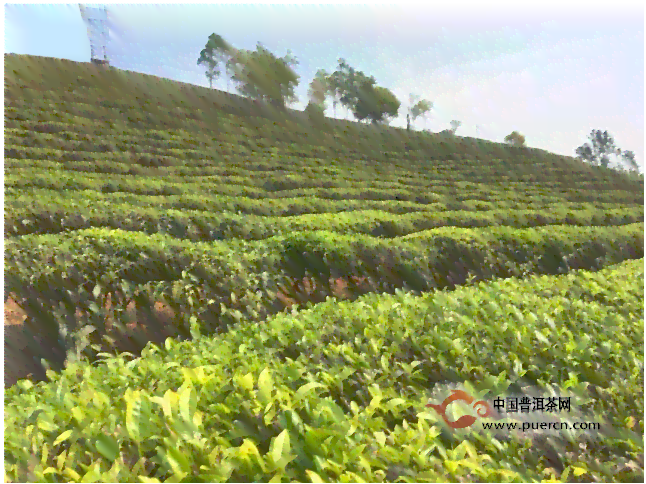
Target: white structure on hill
96	20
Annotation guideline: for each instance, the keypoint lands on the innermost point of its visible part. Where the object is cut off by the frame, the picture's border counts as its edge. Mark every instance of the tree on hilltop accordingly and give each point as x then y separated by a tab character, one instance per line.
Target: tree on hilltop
319	88
334	90
346	83
376	104
359	94
600	149
216	50
418	107
629	158
261	75
515	139
411	102
455	125
315	113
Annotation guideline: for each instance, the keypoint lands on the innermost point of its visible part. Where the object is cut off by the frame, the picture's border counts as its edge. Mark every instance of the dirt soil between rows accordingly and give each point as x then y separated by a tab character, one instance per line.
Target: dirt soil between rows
20	362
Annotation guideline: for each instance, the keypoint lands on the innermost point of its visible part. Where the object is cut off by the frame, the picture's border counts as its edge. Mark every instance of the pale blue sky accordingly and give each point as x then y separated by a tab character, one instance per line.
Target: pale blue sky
553	71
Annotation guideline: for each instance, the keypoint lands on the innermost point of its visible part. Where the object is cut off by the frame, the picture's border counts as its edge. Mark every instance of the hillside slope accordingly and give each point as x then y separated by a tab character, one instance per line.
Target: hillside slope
138	208
94	102
94	148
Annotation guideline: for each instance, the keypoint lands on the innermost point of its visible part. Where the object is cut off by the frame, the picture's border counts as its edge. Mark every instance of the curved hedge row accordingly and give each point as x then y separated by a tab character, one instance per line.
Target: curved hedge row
205	225
53	276
337	393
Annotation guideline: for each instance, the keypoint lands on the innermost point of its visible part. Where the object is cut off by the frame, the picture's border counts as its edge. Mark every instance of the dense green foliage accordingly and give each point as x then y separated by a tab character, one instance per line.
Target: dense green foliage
376	104
126	189
261	75
216	52
601	147
52	276
515	139
338	392
51	216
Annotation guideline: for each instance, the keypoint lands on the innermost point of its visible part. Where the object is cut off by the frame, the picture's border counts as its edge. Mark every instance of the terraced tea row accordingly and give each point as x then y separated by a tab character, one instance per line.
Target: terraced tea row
54	276
193	163
37	200
269	161
62	180
275	183
126	107
64	138
30	145
138	152
140	209
255	403
199	162
209	225
257	128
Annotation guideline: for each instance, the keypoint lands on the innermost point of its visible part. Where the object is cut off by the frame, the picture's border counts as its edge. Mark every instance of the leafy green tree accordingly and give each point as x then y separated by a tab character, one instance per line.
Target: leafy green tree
234	63
412	98
347	83
261	75
601	147
455	125
319	88
418	108
629	159
216	51
599	151
515	139
375	103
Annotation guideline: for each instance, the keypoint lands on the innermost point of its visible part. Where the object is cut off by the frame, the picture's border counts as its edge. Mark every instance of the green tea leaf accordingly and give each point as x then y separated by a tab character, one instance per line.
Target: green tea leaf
265	386
107	447
279	446
92	475
306	389
246	381
64	436
133	415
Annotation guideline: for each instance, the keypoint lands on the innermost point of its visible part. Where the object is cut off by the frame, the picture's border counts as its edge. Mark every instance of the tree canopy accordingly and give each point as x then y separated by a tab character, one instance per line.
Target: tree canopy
376	104
215	51
601	147
418	108
515	139
347	82
319	88
259	74
360	94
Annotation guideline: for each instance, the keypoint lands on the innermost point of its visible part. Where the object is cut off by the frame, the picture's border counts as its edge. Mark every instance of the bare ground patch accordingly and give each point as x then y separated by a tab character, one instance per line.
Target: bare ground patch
20	362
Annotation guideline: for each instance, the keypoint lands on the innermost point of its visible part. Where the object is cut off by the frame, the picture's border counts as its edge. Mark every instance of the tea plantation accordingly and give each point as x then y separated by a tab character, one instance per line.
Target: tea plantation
227	292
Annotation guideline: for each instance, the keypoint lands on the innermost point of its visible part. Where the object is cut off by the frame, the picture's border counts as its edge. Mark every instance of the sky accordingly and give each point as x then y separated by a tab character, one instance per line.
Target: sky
552	70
